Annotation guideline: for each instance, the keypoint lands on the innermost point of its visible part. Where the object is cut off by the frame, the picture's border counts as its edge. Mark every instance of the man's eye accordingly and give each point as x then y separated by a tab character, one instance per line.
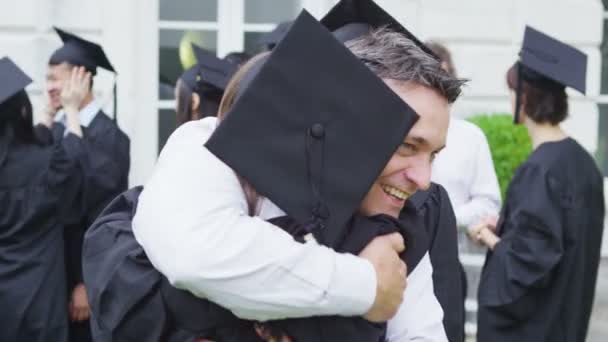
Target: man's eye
406	149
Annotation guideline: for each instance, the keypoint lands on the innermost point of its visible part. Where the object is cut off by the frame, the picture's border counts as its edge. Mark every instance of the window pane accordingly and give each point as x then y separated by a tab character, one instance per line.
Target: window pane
172	59
604	51
270	11
601	154
166	126
188	10
251	42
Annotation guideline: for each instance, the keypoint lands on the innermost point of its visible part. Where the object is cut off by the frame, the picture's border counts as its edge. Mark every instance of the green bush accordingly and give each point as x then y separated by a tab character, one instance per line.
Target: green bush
510	144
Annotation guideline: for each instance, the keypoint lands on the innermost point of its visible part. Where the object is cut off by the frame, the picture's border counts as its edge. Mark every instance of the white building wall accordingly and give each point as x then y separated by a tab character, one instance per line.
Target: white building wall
484	36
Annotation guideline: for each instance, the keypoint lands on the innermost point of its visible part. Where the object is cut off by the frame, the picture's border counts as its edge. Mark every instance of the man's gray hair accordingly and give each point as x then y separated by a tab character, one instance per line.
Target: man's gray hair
391	55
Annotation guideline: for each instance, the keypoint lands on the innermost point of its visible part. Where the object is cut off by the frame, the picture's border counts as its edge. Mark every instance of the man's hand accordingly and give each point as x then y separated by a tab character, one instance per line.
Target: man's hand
487	238
491	222
79	304
473	231
391	271
73	95
75	89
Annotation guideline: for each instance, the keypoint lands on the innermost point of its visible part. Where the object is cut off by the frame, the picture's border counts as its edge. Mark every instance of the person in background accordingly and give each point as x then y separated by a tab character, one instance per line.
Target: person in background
105	160
465	167
199	89
39	188
539	278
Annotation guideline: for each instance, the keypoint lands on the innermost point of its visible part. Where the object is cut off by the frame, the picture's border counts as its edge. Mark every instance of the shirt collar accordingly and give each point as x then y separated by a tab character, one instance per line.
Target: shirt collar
86	114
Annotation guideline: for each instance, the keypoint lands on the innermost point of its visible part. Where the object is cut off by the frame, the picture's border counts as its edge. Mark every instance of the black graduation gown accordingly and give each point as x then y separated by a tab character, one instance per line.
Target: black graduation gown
432	209
106	164
538	284
124	288
38	189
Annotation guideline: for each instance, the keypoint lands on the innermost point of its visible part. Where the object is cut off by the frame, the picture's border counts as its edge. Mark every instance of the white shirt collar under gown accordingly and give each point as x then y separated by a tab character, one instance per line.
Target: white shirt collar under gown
86	114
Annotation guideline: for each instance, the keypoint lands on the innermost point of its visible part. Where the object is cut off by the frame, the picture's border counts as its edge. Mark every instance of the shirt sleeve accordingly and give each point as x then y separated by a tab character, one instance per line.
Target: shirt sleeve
485	196
192	223
420	316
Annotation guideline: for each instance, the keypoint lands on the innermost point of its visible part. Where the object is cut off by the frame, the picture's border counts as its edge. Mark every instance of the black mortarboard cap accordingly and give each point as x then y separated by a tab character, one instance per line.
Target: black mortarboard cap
313	129
209	69
553	59
13	79
80	52
351	19
548	63
272	38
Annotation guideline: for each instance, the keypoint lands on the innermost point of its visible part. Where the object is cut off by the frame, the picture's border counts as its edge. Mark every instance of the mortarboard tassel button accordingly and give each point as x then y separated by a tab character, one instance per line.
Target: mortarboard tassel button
317	131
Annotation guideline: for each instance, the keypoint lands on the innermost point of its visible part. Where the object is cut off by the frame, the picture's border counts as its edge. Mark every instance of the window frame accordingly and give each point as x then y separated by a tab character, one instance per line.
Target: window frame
230	28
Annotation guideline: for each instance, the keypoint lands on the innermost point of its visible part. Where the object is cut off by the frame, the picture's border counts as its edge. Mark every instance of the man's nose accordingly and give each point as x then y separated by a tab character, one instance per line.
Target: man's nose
419	172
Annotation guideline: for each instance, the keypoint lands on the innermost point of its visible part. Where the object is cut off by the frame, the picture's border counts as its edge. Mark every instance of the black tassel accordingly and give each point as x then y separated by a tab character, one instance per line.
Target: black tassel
517	95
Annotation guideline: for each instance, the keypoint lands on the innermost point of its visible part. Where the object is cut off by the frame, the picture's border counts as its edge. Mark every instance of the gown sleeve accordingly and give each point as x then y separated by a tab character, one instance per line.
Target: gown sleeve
531	242
106	168
65	177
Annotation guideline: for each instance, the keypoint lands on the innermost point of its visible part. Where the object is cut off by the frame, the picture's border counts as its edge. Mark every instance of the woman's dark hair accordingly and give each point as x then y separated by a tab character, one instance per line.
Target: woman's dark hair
184	103
16	123
228	100
210	98
544	100
209	101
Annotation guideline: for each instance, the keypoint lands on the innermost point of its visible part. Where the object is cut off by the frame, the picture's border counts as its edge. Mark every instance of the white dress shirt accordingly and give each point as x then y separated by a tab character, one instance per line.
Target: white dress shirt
192	222
466	171
86	114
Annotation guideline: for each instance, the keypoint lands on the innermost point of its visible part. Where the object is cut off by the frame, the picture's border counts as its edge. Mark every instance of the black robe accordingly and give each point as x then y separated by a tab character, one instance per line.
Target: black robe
106	164
538	284
432	209
127	294
38	189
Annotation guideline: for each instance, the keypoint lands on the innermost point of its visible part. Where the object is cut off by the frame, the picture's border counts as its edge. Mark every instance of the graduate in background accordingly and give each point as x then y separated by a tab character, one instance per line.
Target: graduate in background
105	161
473	190
39	186
466	170
538	281
199	89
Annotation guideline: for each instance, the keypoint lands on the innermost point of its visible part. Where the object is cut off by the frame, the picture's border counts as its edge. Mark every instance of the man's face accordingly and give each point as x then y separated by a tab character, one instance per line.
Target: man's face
409	169
56	77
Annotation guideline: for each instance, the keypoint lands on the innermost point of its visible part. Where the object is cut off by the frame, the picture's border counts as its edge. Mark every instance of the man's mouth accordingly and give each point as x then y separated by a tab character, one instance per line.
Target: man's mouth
395	192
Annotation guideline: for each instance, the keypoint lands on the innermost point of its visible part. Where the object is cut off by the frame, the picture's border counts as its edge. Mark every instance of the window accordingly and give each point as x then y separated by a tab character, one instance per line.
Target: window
220	26
180	23
262	16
